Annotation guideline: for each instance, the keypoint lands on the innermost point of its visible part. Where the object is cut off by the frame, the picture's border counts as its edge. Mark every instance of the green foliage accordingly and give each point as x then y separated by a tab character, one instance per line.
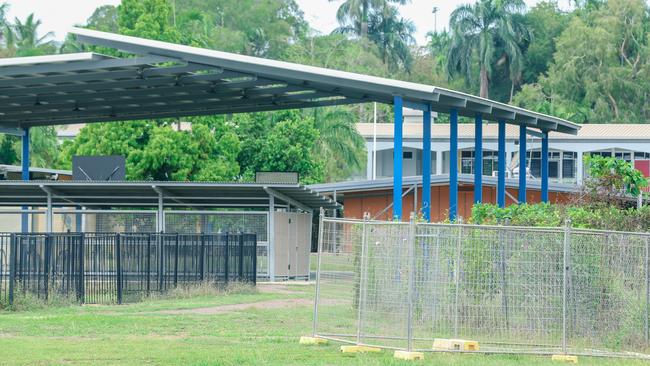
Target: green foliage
282	141
147	19
545	22
614	177
599	65
259	28
594	216
156	151
486	34
22	38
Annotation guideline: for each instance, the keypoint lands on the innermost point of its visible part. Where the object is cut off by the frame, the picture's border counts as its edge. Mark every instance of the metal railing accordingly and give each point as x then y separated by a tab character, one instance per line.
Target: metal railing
120	267
512	289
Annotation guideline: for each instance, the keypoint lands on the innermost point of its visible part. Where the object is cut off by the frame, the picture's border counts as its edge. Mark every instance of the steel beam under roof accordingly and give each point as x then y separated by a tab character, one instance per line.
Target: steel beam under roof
146	194
170	80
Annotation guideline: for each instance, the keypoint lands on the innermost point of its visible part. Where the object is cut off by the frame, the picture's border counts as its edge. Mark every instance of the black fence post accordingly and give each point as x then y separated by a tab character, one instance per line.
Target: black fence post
148	264
161	261
254	257
241	255
13	252
176	255
46	265
118	267
227	259
81	294
202	258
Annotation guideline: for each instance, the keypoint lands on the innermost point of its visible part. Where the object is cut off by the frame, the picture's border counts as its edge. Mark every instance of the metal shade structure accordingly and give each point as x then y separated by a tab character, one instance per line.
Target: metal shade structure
149	194
170	80
164	80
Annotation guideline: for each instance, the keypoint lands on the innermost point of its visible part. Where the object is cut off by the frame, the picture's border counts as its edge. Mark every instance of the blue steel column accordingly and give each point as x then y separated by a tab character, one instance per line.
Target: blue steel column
478	159
544	166
426	165
522	164
25	175
501	179
397	158
453	164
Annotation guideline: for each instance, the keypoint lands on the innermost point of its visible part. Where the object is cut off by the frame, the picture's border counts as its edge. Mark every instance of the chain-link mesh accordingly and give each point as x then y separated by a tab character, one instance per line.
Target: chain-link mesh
512	289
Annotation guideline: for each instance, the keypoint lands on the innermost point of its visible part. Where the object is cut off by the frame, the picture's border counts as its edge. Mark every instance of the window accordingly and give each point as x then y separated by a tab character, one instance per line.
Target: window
536	163
408	155
569	165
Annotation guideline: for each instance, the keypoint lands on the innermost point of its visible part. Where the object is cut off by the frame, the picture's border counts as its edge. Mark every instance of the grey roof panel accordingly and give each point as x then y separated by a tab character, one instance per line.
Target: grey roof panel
86	87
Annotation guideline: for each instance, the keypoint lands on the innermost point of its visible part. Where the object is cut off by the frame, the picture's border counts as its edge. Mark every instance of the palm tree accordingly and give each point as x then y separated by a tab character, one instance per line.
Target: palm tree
4	7
353	15
486	32
393	36
23	37
339	143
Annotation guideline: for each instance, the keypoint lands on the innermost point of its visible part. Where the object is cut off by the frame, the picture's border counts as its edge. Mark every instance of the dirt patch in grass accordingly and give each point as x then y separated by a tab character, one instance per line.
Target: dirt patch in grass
270	304
275	288
264	305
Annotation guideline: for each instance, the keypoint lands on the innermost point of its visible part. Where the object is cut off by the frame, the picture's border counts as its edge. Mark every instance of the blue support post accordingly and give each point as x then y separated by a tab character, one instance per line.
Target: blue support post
544	166
501	179
25	175
522	164
397	158
426	165
453	164
478	159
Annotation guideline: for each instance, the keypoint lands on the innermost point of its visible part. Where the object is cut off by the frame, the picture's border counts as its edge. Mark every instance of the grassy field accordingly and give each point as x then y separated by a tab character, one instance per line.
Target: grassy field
199	330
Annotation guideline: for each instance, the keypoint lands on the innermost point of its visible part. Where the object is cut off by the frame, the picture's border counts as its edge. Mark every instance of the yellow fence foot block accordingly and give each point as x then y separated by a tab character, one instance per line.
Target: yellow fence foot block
408	355
312	340
441	344
565	358
359	349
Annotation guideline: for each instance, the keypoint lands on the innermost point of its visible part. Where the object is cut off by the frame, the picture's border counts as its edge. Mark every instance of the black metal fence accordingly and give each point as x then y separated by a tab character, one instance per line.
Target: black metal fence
115	268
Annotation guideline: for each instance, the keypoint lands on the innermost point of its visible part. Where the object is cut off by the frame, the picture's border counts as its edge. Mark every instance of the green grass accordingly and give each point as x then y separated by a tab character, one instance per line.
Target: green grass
138	334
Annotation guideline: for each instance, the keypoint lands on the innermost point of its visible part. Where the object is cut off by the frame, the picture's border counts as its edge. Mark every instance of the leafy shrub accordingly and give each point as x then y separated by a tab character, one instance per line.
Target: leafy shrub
597	216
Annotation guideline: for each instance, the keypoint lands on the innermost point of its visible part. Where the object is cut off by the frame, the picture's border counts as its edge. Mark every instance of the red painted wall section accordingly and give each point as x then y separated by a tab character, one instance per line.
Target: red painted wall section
644	167
375	201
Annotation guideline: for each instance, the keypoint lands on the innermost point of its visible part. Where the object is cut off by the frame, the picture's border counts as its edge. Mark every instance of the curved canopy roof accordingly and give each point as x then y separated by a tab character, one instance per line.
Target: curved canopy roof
170	80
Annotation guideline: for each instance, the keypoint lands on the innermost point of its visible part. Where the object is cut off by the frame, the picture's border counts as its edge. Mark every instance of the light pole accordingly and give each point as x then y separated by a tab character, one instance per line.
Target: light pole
435	19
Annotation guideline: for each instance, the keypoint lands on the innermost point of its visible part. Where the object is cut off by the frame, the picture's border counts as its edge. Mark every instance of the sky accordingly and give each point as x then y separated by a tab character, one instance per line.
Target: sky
59	15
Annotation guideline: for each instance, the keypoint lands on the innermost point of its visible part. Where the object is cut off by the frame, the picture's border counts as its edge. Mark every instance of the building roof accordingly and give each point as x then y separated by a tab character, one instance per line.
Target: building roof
490	131
441	179
170	80
146	194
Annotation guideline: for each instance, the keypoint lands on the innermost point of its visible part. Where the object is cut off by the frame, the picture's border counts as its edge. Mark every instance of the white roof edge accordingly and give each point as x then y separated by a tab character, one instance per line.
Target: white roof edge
34	60
125	41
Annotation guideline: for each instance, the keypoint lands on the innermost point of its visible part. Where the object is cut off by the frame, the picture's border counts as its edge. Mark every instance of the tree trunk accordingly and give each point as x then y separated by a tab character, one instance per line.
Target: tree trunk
512	90
484	83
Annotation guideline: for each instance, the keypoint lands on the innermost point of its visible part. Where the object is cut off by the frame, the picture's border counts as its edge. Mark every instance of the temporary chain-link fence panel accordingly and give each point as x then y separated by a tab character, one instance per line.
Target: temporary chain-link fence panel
512	289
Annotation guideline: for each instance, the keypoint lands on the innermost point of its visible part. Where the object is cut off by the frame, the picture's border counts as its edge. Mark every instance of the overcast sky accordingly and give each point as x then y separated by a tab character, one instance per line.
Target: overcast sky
59	15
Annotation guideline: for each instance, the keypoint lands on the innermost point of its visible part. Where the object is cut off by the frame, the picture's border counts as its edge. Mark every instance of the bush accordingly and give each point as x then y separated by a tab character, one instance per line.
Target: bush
597	216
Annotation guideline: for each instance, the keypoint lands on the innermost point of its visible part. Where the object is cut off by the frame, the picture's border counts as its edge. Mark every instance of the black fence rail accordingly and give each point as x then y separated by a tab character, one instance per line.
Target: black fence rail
114	268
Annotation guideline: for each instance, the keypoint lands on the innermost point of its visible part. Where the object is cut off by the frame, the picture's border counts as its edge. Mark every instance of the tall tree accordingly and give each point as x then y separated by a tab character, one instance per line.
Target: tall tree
354	15
156	151
339	145
149	19
24	39
393	35
487	33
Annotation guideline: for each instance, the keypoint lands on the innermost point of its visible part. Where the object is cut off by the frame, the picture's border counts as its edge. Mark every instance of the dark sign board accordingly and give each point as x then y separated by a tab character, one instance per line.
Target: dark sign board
99	168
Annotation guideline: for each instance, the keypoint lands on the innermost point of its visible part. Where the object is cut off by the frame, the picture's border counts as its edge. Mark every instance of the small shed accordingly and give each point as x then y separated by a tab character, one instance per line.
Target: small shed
279	213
